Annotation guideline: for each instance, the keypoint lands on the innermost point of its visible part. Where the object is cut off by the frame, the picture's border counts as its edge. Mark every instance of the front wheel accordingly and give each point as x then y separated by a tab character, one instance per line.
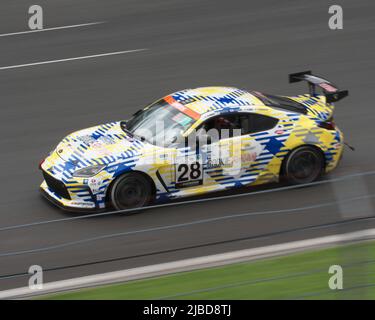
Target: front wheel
303	165
130	191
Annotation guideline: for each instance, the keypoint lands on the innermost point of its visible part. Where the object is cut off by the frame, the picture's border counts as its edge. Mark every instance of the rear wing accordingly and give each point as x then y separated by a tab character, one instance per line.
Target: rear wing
331	91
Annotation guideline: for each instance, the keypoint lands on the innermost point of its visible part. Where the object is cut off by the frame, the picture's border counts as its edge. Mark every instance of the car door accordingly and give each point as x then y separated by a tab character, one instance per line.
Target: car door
233	157
223	159
242	158
234	154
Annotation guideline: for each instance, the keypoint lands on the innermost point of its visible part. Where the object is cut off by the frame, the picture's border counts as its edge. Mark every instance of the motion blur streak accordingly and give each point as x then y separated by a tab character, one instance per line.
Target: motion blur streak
216	198
181	225
248	44
51	29
70	59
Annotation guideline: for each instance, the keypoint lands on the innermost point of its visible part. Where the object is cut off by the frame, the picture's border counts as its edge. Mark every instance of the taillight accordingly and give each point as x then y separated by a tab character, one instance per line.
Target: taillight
329	125
40	163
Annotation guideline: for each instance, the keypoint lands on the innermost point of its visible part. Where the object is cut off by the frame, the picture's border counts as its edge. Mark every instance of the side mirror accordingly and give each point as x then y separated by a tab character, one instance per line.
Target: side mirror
173	140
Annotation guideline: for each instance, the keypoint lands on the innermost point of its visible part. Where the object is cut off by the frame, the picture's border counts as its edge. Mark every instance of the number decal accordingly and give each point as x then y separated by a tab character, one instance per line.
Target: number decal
182	169
195	170
189	174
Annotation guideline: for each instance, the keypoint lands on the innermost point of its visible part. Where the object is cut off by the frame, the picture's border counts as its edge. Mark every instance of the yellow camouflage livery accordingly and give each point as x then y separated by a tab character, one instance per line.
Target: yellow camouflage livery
81	172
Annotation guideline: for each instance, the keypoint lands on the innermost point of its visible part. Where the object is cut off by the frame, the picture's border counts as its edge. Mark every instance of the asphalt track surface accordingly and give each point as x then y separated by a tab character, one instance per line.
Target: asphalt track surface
248	44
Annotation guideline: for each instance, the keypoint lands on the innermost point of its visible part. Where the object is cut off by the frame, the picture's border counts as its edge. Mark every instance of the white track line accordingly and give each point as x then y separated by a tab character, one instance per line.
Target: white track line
70	59
52	29
189	264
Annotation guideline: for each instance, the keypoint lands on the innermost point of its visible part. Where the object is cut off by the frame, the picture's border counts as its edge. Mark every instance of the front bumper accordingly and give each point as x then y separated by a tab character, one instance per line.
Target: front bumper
72	205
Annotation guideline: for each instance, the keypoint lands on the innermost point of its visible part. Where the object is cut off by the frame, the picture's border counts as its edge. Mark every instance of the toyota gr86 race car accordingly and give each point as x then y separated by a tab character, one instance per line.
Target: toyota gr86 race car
117	165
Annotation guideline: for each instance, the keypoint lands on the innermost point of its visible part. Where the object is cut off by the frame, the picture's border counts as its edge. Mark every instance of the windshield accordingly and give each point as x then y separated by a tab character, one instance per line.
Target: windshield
161	123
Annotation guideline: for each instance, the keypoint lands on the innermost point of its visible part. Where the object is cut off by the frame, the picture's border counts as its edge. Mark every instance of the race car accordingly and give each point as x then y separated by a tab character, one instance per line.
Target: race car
194	142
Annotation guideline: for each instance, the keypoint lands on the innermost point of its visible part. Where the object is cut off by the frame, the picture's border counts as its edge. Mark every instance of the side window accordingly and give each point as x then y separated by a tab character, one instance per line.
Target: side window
258	122
225	125
247	123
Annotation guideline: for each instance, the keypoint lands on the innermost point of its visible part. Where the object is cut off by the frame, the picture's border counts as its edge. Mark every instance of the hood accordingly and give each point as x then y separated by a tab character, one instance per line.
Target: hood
101	144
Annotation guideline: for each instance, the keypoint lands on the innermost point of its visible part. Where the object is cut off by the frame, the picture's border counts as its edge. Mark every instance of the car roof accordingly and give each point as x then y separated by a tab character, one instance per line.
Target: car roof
219	99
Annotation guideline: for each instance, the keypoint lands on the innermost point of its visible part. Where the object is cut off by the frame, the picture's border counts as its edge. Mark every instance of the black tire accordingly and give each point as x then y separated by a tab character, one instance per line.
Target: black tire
303	165
131	190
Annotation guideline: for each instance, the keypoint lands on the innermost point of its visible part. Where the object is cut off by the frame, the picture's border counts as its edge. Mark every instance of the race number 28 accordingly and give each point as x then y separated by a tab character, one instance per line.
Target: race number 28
188	174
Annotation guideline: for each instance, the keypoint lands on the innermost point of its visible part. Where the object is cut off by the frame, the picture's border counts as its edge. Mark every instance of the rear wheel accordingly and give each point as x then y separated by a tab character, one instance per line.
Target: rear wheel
303	165
132	190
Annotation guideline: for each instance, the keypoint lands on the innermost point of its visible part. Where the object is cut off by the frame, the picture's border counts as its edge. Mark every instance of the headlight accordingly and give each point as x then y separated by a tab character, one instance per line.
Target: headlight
88	171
